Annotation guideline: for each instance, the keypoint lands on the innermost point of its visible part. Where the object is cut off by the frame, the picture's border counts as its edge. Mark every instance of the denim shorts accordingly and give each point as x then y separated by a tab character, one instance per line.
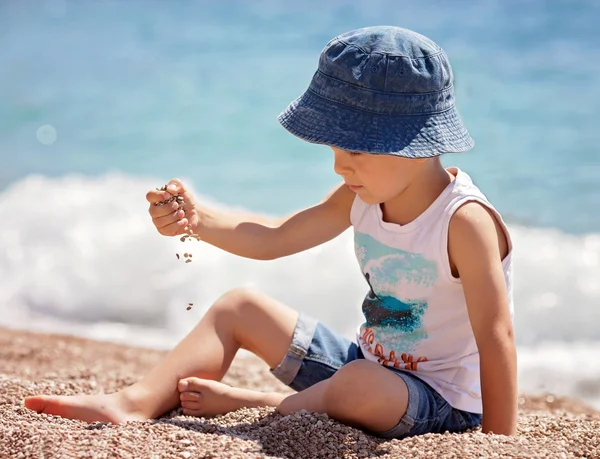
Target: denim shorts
317	352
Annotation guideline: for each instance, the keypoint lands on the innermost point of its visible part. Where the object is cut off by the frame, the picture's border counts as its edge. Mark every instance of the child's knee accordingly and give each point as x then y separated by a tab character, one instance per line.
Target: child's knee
234	300
240	308
356	387
342	386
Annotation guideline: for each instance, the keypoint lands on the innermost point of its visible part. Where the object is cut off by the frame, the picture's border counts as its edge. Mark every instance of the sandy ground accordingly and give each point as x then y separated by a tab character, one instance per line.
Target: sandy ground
33	363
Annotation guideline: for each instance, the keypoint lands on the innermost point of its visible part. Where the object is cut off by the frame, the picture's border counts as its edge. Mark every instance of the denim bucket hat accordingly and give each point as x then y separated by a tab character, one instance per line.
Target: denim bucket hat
383	90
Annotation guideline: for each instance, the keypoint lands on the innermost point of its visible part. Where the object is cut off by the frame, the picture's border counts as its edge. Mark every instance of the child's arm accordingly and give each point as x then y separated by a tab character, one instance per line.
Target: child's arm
477	244
258	237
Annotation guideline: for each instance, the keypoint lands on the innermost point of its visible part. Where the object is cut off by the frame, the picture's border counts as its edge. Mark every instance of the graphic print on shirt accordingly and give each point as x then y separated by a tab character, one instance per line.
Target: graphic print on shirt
399	284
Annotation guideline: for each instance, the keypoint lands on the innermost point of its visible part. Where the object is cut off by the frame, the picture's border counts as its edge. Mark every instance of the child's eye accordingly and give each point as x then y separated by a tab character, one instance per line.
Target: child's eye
354	153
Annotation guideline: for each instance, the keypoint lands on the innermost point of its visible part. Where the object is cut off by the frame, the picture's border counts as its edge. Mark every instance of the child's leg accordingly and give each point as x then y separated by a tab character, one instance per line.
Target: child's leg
331	376
362	394
238	319
359	393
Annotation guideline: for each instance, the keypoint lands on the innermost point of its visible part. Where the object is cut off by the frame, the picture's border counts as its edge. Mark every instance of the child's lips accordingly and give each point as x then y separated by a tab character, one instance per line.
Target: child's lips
354	187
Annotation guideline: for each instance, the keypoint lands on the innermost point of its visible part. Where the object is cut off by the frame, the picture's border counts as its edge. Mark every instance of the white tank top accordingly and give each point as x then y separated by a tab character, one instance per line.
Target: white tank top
415	312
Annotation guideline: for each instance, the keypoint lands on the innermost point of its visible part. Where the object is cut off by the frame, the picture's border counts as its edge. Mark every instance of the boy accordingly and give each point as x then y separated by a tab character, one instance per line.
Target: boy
436	349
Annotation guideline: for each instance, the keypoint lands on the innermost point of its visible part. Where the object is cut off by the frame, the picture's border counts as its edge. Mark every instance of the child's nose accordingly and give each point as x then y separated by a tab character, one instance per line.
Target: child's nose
341	164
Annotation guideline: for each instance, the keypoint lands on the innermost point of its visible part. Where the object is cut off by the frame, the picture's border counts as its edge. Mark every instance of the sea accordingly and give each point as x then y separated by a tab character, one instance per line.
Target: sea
101	101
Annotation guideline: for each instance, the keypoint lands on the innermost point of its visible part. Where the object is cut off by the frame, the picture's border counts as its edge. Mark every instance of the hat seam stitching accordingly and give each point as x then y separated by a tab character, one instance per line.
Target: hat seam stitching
387	67
385	77
453	107
364	51
451	86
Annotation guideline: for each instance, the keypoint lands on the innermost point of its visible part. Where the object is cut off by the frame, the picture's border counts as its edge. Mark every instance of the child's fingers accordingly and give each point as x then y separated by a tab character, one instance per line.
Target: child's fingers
175	186
169	219
161	211
172	229
154	196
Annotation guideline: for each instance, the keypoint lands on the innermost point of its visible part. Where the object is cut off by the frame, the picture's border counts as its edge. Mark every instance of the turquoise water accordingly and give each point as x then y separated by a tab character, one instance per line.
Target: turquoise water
193	88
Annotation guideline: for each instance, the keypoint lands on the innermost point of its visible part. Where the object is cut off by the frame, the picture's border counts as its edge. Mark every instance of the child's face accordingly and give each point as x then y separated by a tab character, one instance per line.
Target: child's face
375	178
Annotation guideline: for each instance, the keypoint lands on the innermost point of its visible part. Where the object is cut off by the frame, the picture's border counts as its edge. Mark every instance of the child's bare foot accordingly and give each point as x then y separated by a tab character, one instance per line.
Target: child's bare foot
204	397
111	408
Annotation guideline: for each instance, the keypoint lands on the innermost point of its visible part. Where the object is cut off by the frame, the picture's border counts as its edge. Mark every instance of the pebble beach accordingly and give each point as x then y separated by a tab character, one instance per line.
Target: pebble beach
33	363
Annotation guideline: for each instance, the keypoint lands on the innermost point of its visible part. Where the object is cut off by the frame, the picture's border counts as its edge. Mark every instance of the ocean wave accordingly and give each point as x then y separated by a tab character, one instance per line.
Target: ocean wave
82	250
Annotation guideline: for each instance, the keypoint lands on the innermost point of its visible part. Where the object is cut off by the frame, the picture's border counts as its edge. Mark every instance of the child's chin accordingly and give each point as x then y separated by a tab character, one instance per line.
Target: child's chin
368	198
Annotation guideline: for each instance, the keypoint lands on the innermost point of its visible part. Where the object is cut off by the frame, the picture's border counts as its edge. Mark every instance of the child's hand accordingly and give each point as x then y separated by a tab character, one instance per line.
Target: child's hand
172	219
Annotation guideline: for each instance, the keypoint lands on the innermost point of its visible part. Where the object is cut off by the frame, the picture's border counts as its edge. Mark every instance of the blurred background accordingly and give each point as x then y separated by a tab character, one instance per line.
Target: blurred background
101	101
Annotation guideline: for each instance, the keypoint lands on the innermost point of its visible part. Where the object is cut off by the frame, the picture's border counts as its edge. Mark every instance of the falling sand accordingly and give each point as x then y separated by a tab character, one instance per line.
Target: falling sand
52	364
189	233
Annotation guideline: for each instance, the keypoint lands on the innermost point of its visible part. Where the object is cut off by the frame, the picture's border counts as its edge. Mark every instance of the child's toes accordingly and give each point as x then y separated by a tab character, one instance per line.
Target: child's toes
190	396
191	405
191	384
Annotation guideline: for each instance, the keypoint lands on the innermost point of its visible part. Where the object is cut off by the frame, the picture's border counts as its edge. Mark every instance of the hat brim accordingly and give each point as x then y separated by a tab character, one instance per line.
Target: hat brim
318	120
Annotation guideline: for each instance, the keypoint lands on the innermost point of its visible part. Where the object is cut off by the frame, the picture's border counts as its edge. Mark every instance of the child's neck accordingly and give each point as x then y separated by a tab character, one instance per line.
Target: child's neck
419	195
